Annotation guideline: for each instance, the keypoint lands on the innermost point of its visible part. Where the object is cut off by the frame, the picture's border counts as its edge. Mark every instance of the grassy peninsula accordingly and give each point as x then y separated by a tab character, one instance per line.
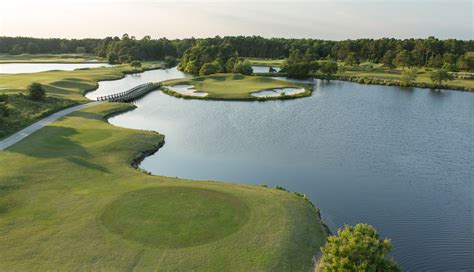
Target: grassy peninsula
63	89
49	58
71	200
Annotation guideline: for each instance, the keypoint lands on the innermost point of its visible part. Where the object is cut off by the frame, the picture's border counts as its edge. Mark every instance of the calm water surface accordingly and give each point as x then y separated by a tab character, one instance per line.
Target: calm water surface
16	68
264	69
399	159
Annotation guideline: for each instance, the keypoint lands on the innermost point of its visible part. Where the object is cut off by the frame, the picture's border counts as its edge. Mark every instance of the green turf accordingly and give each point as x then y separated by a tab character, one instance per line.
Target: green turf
23	111
49	58
67	203
422	77
175	217
63	88
65	84
233	86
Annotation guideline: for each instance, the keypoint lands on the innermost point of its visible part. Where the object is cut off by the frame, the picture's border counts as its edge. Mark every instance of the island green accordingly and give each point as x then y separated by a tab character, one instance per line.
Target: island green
234	86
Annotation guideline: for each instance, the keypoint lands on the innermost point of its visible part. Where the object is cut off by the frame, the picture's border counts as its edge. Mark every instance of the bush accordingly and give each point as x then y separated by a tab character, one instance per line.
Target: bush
408	77
439	76
243	67
124	59
209	68
3	98
136	64
3	110
36	91
170	61
328	68
356	248
112	58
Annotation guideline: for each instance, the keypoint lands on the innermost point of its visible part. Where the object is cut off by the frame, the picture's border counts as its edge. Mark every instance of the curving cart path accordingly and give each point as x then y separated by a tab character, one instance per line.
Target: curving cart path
20	135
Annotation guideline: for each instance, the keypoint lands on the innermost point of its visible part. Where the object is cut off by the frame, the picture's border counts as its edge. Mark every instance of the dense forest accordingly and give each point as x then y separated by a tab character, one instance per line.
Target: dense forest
450	54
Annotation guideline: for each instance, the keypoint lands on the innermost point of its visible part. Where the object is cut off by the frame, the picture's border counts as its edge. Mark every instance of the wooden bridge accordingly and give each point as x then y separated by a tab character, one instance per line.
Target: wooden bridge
132	94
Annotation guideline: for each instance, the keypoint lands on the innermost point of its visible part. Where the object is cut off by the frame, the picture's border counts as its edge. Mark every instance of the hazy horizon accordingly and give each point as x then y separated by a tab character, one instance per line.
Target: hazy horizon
330	20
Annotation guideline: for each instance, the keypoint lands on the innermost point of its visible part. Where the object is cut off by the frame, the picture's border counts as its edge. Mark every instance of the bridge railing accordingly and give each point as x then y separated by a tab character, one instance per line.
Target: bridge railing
130	94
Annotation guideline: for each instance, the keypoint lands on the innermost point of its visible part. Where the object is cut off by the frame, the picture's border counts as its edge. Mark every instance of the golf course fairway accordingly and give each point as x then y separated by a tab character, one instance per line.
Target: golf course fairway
70	200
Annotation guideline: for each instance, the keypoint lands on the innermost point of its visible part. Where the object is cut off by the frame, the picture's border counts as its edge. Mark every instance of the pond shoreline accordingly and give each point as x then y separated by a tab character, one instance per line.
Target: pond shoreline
141	155
379	82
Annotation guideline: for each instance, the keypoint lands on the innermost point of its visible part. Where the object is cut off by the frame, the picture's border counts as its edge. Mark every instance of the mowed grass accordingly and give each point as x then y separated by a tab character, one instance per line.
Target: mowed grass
48	58
63	89
422	77
23	111
232	86
62	84
175	217
70	200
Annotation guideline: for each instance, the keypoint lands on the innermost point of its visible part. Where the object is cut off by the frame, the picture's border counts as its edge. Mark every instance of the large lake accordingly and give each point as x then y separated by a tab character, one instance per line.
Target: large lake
16	68
399	159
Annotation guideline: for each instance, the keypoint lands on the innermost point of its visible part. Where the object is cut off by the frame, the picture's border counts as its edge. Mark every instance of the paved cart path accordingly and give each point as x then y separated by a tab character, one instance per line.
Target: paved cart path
20	135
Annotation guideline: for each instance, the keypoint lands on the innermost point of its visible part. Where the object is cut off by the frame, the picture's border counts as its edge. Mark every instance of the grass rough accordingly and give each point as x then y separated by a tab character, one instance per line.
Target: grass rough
57	185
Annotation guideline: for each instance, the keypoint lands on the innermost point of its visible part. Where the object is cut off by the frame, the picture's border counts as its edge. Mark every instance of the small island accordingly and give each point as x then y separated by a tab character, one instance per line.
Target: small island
234	87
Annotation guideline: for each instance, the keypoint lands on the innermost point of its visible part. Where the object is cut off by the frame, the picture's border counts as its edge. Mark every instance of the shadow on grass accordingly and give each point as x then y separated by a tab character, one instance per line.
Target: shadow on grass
238	77
88	164
87	115
217	78
57	142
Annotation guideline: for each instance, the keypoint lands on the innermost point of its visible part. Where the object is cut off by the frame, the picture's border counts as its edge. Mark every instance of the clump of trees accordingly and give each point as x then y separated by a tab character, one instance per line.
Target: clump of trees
4	111
440	76
408	76
170	61
205	59
449	54
136	64
36	91
299	65
328	68
357	248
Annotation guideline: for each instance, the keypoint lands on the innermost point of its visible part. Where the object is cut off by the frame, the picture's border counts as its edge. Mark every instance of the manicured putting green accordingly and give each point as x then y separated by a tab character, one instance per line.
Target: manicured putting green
175	217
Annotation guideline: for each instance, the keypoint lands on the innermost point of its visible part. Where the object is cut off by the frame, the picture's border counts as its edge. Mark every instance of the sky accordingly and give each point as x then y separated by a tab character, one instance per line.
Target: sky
322	19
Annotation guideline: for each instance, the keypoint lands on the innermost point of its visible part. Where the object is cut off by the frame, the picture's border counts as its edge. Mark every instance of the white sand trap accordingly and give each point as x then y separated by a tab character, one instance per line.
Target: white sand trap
186	90
279	92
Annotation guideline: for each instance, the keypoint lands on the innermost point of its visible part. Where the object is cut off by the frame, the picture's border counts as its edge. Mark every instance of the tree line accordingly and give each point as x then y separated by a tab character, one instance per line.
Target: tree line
431	52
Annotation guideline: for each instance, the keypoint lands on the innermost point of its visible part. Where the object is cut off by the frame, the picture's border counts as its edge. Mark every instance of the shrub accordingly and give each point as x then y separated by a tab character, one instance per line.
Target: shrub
112	58
136	64
209	68
356	248
3	110
439	76
328	68
170	61
243	67
36	91
3	98
408	77
124	59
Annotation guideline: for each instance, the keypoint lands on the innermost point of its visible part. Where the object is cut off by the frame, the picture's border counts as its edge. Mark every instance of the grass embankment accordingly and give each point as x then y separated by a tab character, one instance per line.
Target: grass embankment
234	87
375	73
69	200
392	77
63	89
49	58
